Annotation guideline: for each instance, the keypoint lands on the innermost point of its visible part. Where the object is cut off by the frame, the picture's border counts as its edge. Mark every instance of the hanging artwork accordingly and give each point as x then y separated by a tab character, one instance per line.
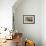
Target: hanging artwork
28	19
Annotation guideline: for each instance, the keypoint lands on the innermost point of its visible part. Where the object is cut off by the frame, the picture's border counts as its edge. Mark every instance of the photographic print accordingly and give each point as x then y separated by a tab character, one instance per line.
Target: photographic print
28	19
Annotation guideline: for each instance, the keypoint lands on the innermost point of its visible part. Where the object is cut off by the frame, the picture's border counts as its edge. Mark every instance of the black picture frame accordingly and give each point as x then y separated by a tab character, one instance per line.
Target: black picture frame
28	19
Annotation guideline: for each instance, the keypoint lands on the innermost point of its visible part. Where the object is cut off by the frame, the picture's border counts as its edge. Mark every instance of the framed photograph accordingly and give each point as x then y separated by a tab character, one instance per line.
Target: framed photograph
28	19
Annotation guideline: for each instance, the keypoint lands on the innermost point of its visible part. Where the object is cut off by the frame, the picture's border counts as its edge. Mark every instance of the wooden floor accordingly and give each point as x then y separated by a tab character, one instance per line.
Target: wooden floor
9	43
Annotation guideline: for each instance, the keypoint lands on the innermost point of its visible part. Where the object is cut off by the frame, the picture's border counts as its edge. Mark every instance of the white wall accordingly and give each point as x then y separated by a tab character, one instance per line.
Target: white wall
40	24
43	22
6	13
31	31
